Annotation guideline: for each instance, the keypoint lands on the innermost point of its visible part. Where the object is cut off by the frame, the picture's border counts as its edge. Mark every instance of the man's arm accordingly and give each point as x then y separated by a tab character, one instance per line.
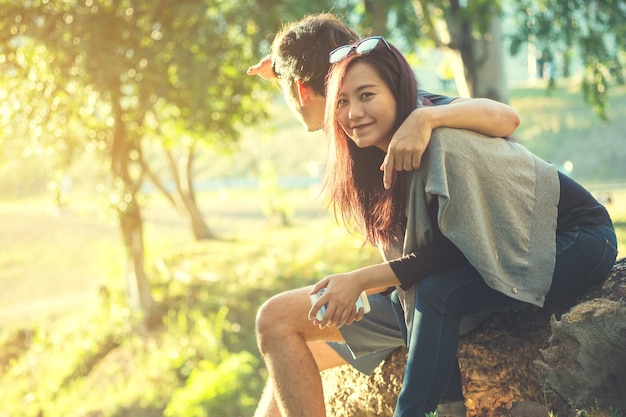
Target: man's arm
263	69
481	115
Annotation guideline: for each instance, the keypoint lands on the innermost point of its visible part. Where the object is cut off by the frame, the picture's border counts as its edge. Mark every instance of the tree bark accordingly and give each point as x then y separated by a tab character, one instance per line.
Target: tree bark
562	356
376	16
183	198
187	193
489	79
138	289
483	56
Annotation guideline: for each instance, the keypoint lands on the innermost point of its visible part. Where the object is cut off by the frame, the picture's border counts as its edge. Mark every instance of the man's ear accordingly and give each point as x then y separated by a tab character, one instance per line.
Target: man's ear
304	91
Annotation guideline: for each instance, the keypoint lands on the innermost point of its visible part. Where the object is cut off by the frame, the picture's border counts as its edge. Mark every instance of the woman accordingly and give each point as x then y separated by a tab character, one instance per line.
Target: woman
481	226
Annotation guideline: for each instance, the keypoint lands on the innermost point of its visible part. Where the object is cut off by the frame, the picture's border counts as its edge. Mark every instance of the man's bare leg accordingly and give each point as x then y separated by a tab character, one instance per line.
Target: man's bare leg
324	356
267	406
295	352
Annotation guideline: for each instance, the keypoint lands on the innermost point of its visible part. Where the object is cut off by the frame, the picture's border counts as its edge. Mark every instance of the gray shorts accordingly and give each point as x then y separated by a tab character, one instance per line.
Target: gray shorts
371	340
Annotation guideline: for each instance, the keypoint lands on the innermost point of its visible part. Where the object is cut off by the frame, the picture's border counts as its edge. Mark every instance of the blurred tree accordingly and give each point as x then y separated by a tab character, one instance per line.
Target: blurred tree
595	30
469	33
106	76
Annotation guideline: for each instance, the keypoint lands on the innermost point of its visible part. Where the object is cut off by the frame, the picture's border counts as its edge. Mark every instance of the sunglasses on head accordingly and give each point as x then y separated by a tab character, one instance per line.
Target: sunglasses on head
365	46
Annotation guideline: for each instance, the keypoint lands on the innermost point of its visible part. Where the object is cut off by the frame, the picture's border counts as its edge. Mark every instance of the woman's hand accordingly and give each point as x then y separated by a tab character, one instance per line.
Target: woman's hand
407	145
341	292
340	295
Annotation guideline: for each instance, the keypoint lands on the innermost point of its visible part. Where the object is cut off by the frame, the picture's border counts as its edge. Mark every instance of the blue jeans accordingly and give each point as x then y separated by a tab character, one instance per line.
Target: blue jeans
585	255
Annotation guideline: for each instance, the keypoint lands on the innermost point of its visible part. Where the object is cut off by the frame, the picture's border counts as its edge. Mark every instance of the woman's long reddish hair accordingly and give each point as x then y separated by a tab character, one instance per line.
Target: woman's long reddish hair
353	179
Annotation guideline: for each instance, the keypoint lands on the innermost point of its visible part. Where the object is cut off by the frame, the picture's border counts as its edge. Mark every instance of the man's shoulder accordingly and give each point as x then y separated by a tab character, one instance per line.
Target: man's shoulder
427	98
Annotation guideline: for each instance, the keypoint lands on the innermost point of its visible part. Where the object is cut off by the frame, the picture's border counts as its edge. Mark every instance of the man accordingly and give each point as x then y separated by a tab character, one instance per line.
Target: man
294	349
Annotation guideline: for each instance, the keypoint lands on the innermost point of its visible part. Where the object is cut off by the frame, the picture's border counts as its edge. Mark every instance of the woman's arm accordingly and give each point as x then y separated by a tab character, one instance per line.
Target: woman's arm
481	115
342	291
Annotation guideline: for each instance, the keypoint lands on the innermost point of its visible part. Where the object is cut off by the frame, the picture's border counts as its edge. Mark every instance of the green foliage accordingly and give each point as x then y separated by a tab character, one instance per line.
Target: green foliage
120	68
103	76
44	373
227	388
595	87
223	382
595	30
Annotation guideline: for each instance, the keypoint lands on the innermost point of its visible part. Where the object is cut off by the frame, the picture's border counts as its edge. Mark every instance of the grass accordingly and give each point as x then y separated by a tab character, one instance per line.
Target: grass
559	127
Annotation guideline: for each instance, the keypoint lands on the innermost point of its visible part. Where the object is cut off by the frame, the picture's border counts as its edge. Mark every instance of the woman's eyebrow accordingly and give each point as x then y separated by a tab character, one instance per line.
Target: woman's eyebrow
360	88
364	87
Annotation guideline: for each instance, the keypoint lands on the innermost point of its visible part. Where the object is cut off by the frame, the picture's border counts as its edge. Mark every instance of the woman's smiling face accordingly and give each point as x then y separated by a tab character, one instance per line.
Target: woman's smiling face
366	108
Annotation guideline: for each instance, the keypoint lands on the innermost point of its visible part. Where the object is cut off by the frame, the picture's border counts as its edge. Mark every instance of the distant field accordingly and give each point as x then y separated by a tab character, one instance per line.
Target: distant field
52	263
559	127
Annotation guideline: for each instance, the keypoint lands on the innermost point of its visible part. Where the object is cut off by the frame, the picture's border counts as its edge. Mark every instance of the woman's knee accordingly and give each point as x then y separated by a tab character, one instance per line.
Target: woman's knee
432	291
451	289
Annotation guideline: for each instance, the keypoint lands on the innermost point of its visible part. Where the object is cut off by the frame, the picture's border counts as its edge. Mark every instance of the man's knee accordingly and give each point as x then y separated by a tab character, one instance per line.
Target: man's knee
266	315
278	316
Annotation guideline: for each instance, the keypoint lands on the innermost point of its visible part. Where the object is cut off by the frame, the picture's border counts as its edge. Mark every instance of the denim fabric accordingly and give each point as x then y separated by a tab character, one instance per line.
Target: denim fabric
585	255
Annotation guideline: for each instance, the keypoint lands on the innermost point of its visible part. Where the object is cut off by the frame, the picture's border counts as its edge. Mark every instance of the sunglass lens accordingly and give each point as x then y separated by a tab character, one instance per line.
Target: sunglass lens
339	53
367	45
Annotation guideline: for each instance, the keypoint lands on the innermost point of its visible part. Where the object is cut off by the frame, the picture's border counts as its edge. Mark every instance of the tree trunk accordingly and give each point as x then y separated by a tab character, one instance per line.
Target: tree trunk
138	289
183	198
540	355
376	16
489	79
187	193
483	57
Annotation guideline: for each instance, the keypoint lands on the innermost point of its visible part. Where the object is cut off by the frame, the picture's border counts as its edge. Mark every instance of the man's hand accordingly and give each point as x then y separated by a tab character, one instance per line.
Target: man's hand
407	145
263	69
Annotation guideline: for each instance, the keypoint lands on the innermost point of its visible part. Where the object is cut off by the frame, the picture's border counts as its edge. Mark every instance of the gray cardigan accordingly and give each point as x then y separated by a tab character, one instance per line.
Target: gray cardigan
497	203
